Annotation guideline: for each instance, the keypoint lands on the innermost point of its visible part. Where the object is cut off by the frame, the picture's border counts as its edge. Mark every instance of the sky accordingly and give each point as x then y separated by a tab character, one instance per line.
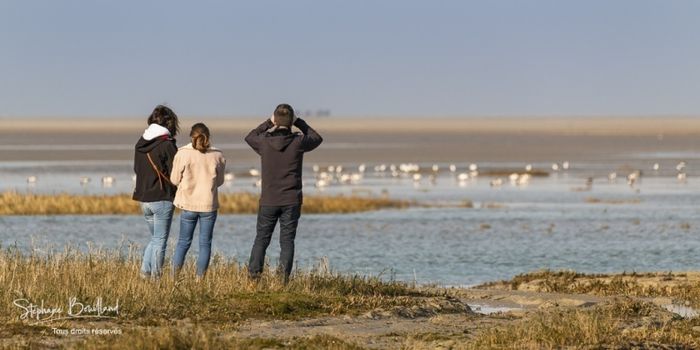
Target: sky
105	58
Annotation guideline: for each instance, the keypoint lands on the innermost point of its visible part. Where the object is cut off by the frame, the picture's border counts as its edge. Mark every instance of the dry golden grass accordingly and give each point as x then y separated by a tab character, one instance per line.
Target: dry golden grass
594	200
683	287
204	338
621	324
12	203
187	313
225	295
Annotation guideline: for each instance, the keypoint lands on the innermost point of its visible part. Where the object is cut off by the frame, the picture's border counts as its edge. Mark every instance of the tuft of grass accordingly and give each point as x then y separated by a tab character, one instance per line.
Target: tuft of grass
622	324
13	203
595	200
677	286
204	338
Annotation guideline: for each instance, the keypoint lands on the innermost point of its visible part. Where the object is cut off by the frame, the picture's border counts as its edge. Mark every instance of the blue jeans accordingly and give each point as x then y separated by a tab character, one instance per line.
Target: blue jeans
158	215
288	217
188	221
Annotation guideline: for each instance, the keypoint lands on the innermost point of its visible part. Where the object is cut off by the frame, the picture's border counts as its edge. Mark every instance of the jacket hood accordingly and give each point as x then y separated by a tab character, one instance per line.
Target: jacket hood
154	131
152	137
280	142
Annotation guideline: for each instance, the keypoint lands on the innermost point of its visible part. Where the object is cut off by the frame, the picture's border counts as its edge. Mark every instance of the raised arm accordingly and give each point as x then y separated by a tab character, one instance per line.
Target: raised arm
311	138
253	138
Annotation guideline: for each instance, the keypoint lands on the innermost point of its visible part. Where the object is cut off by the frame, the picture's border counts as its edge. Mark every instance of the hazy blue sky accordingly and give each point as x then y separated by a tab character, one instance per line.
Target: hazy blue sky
406	57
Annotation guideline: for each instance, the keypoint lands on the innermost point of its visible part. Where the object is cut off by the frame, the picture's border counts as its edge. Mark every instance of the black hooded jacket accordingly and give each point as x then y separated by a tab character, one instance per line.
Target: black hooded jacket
149	188
282	157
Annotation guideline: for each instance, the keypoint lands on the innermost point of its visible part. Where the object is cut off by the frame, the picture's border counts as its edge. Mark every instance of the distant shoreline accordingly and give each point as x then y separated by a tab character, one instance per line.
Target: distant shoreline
625	125
378	140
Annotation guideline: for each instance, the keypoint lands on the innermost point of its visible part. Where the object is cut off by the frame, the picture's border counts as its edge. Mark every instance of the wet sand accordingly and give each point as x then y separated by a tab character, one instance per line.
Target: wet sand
357	140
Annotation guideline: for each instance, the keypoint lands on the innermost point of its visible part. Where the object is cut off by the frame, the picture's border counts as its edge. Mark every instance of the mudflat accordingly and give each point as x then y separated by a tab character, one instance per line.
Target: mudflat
375	140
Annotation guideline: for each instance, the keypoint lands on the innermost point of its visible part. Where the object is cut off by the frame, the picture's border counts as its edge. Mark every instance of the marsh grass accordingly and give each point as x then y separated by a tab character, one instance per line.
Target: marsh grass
225	295
13	203
620	324
201	338
626	284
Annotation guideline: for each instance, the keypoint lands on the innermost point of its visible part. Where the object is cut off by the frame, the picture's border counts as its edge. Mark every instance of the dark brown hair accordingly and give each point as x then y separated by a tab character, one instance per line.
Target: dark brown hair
165	117
284	115
200	137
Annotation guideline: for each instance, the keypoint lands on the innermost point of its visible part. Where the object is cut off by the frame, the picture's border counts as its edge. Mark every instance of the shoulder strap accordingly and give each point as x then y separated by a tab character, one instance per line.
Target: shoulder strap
160	174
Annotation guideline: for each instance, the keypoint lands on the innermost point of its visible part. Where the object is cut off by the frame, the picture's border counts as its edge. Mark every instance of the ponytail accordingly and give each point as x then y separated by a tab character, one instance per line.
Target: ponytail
200	137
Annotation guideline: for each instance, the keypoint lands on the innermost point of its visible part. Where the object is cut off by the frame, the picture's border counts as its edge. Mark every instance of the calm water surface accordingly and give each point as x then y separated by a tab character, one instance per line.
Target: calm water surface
550	223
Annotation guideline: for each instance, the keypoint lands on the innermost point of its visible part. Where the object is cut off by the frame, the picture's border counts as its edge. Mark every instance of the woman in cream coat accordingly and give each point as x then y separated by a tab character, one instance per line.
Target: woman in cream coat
198	171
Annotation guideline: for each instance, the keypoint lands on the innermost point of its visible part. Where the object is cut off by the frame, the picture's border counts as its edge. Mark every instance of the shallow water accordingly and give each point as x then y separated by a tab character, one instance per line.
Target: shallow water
549	223
445	246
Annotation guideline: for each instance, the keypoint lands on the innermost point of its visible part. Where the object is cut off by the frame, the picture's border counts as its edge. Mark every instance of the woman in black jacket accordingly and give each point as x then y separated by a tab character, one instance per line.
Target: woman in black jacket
153	160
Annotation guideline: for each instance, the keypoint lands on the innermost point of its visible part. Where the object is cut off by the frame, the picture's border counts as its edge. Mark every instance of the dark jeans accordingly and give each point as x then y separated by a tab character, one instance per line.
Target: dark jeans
288	217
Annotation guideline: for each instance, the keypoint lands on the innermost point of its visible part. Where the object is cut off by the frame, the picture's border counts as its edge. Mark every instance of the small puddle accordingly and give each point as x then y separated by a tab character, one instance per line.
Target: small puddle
682	310
489	310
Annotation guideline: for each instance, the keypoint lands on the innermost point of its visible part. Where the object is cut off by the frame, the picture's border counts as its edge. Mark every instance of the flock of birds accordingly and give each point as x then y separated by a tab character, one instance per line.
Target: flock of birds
338	174
341	175
635	176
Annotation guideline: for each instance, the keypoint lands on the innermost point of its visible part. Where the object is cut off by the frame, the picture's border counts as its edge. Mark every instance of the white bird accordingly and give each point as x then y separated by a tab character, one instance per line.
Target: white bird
228	177
524	179
254	172
108	181
453	168
331	168
612	176
473	167
565	165
436	168
513	177
633	177
463	177
32	179
680	166
656	167
417	177
528	168
355	178
682	177
339	169
316	168
84	180
345	178
361	168
258	183
321	183
496	183
555	166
